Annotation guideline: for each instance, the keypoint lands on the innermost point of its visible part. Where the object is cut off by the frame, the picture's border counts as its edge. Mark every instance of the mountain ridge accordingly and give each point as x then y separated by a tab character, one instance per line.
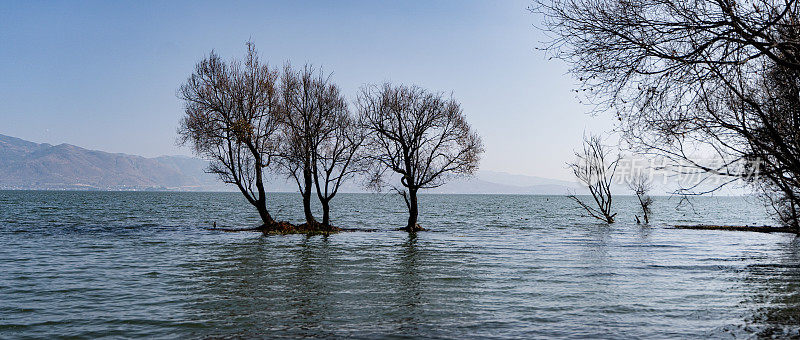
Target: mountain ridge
27	165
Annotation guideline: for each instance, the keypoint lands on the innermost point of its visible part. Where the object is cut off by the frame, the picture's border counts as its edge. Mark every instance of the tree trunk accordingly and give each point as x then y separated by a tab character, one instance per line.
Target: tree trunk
266	218
413	210
795	222
307	197
644	209
326	217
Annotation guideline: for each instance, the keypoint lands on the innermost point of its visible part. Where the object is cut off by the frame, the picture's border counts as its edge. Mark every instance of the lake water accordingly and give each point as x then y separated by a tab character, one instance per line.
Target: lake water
141	264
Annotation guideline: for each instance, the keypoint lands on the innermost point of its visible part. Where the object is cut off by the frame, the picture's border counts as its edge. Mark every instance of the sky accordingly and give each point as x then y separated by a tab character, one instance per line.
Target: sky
104	75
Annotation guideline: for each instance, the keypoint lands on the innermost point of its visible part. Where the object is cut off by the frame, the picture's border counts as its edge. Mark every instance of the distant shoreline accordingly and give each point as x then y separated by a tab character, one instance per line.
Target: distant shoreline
346	192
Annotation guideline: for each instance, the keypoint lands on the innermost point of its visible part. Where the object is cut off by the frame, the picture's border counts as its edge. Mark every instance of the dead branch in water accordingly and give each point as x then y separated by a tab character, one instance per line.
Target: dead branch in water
759	229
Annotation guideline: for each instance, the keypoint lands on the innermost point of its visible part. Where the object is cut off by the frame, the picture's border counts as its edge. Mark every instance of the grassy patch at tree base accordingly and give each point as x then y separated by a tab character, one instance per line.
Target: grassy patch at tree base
286	228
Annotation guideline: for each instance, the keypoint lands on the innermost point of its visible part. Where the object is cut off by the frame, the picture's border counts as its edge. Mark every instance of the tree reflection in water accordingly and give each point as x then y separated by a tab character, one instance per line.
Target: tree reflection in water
311	294
253	289
409	292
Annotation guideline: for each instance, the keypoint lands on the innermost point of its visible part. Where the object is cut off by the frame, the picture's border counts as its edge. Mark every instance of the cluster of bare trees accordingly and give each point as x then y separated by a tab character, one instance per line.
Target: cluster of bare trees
248	119
710	84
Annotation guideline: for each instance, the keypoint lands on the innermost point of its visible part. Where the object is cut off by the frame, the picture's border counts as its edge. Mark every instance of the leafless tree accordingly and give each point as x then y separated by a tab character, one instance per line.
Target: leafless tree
775	157
693	79
641	186
321	138
421	136
231	118
302	119
336	156
595	168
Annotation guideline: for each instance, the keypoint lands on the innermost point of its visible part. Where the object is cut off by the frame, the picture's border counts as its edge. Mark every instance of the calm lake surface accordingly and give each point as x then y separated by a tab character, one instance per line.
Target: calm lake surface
141	264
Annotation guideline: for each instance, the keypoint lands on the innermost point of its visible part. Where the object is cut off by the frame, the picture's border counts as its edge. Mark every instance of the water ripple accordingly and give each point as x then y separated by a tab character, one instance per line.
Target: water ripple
106	264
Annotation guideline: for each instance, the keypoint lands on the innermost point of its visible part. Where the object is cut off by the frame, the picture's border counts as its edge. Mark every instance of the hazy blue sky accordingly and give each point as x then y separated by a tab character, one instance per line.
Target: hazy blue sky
103	75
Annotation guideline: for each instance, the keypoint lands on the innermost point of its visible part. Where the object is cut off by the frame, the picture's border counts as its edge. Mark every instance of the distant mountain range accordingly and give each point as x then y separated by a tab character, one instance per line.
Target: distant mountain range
29	165
492	182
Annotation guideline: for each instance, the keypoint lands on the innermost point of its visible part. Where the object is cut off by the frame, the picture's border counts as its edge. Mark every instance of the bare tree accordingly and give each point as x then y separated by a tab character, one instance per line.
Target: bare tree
302	119
595	168
321	137
231	118
775	147
336	157
693	79
641	186
421	136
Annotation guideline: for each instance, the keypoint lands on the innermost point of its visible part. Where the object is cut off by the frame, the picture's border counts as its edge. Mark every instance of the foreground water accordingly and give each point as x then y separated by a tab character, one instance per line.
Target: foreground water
94	264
